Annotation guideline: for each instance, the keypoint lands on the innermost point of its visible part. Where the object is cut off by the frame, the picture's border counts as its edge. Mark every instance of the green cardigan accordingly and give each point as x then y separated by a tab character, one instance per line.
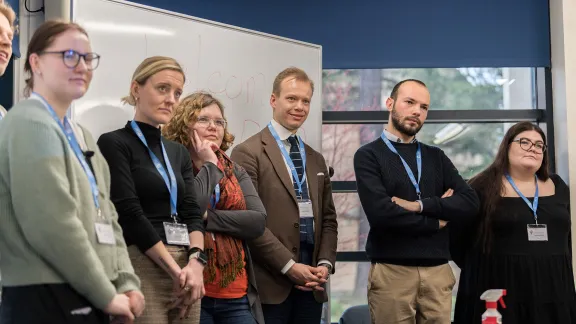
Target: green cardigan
47	213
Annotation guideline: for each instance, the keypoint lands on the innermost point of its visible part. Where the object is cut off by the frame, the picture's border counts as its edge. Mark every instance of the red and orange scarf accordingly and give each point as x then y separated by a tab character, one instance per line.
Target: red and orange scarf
228	258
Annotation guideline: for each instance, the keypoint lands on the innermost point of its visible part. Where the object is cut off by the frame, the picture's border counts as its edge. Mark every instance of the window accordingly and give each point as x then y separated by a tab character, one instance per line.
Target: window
348	287
353	226
471	147
450	89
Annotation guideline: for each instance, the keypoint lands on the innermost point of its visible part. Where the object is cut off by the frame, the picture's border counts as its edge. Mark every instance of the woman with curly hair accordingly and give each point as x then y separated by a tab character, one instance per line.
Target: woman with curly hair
235	214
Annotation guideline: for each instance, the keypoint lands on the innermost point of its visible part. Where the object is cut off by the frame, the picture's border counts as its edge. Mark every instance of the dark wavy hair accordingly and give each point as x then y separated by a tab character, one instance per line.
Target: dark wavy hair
490	187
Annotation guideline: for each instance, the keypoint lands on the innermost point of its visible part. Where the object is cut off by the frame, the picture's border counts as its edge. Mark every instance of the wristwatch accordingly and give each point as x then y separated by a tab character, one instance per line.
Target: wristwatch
198	254
328	266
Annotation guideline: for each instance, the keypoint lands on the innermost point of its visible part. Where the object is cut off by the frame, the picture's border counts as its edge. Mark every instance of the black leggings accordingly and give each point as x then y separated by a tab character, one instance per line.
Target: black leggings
48	304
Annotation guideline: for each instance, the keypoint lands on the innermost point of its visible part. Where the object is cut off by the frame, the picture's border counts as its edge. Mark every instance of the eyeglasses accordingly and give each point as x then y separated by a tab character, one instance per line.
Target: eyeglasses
205	122
527	145
72	58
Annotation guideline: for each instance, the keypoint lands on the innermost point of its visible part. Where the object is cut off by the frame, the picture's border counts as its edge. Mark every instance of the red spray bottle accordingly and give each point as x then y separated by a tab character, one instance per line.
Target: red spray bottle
492	297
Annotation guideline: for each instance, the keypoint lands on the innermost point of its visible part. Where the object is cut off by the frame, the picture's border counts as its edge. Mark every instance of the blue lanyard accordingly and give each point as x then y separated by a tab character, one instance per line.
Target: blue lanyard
534	205
214	199
170	182
67	129
408	170
288	160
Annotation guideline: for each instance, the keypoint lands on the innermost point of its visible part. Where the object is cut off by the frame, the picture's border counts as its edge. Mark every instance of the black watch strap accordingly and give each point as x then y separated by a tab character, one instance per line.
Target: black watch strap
197	254
328	266
194	250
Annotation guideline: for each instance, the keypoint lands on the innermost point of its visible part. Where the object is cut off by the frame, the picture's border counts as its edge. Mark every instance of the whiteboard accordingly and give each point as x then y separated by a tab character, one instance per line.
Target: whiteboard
236	65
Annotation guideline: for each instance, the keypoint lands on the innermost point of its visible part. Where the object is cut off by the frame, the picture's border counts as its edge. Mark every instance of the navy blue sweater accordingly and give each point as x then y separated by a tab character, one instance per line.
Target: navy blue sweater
398	236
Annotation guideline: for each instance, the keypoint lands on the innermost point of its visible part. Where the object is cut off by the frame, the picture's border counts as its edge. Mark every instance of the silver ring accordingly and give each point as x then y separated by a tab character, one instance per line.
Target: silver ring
187	288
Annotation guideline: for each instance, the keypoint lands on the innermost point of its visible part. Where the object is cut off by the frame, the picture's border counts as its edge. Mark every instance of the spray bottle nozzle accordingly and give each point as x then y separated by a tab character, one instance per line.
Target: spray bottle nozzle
493	296
501	300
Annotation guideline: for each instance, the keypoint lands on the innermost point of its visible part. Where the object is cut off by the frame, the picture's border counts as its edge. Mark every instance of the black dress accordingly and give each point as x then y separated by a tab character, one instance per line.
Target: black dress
537	275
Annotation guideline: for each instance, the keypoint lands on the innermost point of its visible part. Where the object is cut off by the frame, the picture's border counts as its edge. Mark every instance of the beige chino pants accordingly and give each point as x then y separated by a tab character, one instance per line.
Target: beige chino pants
410	295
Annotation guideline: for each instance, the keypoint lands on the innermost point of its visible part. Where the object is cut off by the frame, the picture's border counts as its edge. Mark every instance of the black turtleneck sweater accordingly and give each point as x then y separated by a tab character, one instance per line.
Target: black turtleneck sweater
138	190
398	236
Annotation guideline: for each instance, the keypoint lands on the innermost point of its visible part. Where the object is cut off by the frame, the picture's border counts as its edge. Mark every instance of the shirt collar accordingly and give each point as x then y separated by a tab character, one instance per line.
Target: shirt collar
395	139
282	132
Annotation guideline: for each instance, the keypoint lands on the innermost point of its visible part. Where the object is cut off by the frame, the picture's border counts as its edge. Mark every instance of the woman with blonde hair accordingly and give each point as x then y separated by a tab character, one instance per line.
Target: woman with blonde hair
235	213
153	188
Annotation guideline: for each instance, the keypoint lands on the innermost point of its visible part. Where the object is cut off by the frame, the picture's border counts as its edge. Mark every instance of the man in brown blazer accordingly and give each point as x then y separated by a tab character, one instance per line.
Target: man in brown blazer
297	252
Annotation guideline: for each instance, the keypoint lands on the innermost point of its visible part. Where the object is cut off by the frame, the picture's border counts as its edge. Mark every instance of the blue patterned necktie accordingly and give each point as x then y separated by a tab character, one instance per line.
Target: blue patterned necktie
297	160
306	224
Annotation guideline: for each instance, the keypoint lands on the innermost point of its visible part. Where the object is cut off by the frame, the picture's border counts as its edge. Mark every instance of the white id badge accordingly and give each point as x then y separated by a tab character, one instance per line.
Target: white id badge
305	208
176	233
105	233
537	232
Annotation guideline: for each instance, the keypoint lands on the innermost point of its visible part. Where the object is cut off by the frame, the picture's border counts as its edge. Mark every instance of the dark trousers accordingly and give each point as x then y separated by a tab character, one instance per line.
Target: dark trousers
226	311
48	304
299	308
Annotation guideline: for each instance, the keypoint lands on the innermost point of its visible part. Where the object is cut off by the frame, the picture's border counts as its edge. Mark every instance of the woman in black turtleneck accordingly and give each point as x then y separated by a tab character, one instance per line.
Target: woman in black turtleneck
143	189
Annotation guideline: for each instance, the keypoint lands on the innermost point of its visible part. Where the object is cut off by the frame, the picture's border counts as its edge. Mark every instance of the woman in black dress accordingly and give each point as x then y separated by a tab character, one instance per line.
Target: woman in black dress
520	241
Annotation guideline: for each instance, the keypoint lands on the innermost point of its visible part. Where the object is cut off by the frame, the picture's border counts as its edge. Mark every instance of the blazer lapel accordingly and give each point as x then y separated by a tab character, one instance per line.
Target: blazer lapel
273	151
312	179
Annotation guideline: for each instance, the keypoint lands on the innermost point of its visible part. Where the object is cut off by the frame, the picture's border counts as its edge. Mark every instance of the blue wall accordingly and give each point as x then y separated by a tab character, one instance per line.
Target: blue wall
386	33
395	33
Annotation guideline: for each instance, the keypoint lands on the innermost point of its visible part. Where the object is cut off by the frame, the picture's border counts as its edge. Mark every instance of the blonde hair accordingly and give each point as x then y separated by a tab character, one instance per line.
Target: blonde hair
148	68
9	13
186	113
294	72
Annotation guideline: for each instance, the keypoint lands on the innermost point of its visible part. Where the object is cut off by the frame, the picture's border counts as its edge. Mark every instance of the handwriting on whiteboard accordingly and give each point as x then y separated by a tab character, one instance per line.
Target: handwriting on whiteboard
249	128
199	54
250	90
